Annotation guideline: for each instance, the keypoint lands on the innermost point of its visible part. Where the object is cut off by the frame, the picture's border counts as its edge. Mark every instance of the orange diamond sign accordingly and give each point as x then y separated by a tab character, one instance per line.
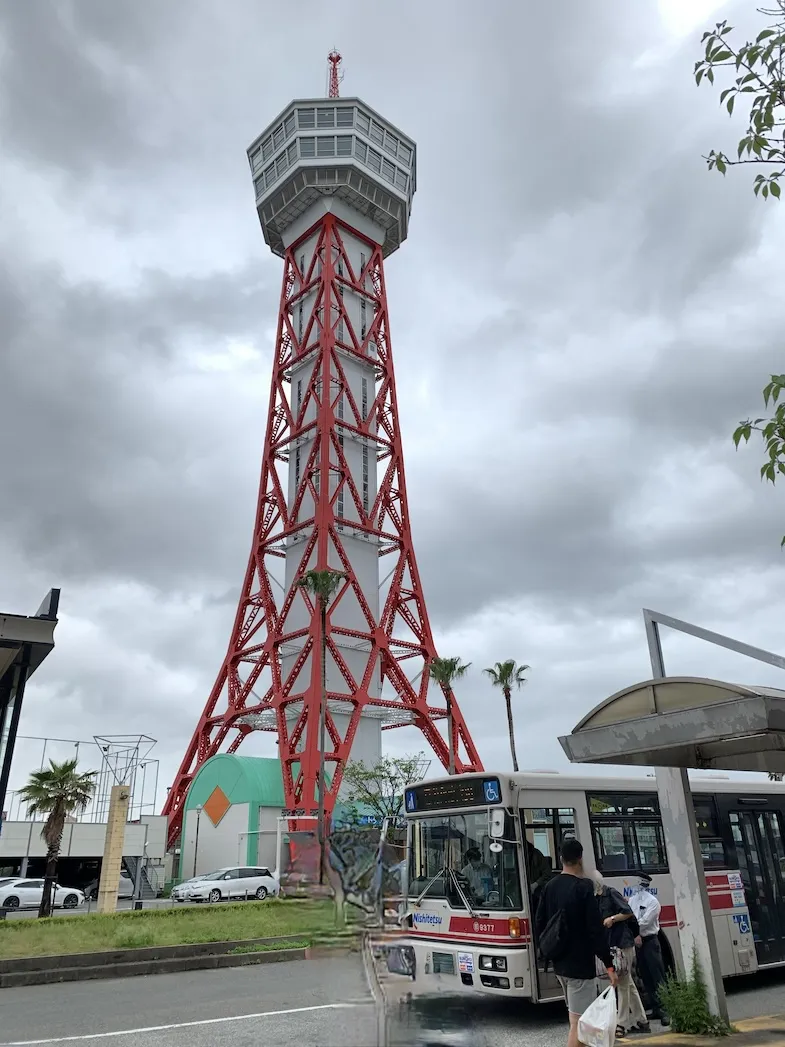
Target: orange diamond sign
217	805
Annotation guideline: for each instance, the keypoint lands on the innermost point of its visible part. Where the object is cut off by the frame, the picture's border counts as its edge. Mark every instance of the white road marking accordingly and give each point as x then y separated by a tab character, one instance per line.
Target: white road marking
181	1025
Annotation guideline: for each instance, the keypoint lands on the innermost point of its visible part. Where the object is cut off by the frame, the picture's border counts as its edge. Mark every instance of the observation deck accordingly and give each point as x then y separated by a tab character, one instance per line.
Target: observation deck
337	147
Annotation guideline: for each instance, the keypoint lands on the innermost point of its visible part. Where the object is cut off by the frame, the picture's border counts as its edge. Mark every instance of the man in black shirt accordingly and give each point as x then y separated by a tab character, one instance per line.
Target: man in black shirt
575	968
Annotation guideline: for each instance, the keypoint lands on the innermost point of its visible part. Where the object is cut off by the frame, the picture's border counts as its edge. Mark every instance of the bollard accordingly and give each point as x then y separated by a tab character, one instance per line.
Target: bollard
2	913
137	906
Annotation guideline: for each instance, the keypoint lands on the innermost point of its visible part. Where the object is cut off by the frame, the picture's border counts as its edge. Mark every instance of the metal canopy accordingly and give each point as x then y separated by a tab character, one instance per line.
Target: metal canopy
685	721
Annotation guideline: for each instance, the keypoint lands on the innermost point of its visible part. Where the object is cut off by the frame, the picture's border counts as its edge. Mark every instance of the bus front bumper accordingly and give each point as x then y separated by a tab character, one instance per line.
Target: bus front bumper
443	966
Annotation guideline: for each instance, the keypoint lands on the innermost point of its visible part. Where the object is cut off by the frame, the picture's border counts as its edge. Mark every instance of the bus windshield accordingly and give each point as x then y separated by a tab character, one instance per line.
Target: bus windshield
452	851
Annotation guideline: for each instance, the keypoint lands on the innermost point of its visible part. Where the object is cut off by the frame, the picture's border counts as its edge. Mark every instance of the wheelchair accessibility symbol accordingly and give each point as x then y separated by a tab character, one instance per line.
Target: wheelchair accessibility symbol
491	791
742	921
410	800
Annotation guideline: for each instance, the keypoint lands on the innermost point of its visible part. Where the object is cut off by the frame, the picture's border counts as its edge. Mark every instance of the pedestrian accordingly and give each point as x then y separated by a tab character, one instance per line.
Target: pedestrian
647	909
622	929
567	902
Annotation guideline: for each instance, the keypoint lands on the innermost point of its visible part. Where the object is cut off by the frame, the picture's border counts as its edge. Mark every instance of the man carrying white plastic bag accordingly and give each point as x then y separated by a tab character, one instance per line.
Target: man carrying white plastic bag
597	1026
570	934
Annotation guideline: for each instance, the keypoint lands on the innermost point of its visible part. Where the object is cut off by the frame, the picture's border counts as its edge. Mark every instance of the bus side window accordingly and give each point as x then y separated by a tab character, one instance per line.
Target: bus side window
544	830
627	833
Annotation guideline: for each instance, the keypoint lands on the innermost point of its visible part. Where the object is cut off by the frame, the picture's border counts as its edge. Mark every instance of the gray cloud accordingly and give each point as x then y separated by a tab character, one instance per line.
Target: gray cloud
581	316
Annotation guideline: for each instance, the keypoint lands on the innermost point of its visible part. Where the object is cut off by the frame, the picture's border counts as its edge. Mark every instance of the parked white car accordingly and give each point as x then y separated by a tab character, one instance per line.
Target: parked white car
180	892
27	894
233	882
125	888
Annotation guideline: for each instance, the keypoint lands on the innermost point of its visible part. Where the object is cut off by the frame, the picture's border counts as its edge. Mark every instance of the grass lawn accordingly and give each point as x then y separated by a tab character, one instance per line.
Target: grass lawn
186	925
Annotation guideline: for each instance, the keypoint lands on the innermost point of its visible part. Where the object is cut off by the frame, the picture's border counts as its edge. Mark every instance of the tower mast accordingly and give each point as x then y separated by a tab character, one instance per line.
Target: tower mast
335	79
334	183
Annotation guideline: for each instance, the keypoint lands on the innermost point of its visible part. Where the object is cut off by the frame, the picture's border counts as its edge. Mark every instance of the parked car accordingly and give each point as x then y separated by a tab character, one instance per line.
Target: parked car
233	882
179	893
125	888
27	894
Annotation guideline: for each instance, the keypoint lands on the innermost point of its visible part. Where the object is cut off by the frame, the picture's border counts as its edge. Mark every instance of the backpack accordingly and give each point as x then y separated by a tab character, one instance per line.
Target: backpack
555	939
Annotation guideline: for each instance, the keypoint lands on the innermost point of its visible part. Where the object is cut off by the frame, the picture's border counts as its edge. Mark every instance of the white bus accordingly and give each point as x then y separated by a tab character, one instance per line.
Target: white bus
453	941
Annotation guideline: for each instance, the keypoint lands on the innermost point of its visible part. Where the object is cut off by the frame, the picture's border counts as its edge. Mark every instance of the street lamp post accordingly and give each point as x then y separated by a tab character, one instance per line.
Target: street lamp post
199	810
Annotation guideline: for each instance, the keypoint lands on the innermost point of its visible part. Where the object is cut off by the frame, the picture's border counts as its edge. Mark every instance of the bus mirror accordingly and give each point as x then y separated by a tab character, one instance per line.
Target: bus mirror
496	847
496	823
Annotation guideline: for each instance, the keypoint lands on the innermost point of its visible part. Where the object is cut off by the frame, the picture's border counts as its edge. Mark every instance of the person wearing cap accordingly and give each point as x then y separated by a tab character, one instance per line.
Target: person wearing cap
573	894
646	908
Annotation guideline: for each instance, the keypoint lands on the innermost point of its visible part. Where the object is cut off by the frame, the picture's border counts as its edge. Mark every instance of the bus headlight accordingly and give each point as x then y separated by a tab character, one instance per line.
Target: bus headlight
493	963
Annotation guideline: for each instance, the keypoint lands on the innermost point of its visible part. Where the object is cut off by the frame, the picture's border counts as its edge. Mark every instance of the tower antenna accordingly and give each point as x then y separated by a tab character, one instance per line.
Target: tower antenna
335	60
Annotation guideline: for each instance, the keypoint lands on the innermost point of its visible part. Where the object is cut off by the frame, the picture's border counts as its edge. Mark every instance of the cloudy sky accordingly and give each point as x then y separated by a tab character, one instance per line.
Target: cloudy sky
579	318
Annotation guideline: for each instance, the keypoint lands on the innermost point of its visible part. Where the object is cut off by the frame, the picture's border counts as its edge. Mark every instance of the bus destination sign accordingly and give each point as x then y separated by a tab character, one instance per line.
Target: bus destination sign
454	792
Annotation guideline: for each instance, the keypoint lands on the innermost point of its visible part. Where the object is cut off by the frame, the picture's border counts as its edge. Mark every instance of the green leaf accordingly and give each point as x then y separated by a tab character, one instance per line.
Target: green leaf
699	76
764	34
710	76
721	167
731	100
765	191
775	189
722	55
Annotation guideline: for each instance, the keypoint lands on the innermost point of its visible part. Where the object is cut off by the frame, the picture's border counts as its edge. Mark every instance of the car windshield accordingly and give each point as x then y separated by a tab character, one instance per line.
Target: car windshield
8	879
213	876
447	851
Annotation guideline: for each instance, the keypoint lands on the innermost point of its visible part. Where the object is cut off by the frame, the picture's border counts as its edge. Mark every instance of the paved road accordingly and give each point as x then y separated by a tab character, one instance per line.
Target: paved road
315	1003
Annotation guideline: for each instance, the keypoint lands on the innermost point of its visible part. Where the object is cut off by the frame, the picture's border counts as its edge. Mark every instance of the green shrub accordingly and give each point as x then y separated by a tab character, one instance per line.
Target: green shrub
687	1004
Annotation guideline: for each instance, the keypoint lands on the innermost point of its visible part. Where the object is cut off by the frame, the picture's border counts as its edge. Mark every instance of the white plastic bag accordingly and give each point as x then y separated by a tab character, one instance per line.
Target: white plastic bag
597	1025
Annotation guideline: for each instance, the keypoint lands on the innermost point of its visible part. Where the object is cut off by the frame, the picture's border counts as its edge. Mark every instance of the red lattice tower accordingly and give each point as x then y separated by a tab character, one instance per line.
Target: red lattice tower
334	58
334	185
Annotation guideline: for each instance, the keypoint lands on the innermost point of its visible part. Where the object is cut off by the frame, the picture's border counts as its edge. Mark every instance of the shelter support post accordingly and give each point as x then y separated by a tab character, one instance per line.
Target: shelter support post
693	912
685	861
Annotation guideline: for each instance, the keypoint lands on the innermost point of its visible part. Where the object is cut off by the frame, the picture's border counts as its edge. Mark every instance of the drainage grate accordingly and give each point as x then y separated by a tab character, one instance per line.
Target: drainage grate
443	963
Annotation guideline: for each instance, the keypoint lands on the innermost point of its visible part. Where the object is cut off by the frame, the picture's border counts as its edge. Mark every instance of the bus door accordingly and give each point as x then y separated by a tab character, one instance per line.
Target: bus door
757	827
544	828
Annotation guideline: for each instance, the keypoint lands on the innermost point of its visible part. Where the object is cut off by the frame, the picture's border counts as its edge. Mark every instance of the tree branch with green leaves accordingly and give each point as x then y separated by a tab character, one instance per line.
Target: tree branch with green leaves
772	432
760	68
379	788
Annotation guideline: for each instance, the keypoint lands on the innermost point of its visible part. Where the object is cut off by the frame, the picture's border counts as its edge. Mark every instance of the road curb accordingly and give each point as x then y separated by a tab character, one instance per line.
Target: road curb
756	1032
143	967
144	954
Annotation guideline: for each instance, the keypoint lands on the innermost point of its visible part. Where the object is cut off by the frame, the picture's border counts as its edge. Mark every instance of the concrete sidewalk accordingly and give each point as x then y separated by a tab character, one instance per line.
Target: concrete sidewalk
751	1032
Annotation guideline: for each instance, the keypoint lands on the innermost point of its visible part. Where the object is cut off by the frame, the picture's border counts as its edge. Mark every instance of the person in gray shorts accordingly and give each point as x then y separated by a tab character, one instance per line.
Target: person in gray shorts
585	938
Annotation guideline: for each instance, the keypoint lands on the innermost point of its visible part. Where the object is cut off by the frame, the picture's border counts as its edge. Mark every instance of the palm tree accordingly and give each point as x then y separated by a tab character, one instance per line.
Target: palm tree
444	671
508	675
322	586
58	791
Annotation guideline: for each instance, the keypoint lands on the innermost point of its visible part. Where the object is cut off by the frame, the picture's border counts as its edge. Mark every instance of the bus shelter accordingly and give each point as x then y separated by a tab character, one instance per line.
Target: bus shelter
24	643
675	724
